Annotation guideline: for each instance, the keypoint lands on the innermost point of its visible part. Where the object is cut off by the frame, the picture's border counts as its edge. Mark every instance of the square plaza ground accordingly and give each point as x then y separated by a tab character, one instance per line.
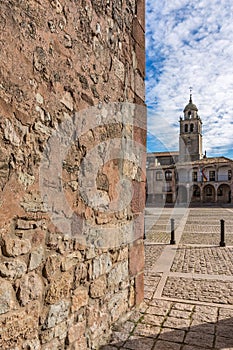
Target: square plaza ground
188	301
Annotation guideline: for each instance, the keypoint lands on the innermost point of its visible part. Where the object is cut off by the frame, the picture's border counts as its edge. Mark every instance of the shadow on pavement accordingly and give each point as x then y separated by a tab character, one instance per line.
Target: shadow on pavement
205	336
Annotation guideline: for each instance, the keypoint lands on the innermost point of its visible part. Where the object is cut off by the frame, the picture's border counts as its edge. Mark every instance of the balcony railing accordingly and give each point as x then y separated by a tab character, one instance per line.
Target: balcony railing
218	178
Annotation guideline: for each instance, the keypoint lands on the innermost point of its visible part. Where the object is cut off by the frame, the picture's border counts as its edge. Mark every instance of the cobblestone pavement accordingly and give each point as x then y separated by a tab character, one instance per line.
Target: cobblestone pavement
188	301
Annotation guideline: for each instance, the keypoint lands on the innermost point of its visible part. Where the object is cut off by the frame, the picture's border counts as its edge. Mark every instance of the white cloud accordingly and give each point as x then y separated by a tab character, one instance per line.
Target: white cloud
189	43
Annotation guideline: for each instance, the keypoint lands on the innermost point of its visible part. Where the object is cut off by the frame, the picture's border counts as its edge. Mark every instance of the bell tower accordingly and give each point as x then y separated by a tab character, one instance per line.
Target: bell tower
190	140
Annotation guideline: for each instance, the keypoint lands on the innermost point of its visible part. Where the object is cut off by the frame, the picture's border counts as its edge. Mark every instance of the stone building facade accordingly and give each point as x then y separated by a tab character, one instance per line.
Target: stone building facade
188	176
63	62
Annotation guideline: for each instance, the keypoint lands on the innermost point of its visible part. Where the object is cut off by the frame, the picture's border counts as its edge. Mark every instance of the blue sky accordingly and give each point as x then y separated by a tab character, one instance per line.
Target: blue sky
190	43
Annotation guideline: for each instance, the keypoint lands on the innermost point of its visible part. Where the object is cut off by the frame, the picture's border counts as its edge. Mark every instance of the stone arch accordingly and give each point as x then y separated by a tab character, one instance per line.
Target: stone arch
209	194
224	193
195	193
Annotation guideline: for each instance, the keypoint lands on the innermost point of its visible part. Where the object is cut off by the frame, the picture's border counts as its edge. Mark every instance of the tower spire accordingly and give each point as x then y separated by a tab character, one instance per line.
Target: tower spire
190	99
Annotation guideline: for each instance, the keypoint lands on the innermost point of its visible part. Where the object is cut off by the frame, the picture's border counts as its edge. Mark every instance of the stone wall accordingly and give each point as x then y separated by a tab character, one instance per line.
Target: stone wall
61	286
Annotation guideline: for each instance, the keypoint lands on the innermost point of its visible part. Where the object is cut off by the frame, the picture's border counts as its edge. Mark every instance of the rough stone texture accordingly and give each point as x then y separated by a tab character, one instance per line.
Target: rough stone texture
215	291
7	297
137	258
208	260
61	288
188	306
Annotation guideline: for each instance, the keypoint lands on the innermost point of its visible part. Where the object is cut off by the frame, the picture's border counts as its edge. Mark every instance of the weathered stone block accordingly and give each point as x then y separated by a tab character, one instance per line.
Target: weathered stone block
139	136
98	287
132	295
71	260
98	319
136	258
60	287
81	273
76	332
13	247
139	197
24	224
7	297
139	86
67	100
33	203
36	258
39	59
53	344
119	69
138	227
57	313
118	275
46	335
33	344
81	343
40	127
140	59
80	298
10	133
139	288
31	287
118	305
101	265
61	330
138	33
18	328
12	268
123	254
52	265
141	12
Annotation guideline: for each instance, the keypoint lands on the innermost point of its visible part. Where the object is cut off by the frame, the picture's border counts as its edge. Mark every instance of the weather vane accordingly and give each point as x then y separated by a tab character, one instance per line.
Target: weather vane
190	89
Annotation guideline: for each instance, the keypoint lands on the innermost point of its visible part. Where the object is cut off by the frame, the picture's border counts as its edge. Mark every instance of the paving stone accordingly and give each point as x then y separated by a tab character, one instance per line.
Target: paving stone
147	330
161	303
148	294
224	343
208	328
199	339
156	310
178	323
149	288
152	280
224	330
226	314
205	260
179	314
118	338
136	316
172	335
153	320
124	328
136	343
213	291
204	314
165	345
183	307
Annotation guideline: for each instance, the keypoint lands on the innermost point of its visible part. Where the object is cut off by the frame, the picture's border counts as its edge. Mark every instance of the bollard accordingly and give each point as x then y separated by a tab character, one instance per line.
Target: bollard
222	241
172	241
